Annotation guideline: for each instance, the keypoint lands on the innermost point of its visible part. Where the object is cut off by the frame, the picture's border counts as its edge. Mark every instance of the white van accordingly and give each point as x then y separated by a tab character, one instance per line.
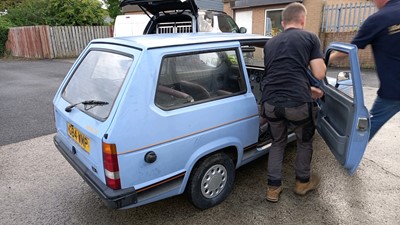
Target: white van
178	16
130	25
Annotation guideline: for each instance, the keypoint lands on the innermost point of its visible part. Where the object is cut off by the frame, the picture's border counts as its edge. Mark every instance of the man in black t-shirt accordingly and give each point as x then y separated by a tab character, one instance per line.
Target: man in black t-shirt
288	96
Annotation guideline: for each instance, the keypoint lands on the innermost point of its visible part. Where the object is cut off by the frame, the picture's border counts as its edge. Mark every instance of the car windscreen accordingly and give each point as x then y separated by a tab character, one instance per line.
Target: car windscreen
227	24
217	22
253	55
94	85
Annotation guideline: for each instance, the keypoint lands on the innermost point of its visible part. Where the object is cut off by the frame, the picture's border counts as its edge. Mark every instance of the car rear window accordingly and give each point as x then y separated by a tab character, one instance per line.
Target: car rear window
98	78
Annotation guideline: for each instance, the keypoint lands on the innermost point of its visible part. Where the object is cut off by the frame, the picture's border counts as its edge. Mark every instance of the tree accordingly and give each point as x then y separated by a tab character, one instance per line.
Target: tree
76	12
4	27
113	8
28	12
57	13
8	4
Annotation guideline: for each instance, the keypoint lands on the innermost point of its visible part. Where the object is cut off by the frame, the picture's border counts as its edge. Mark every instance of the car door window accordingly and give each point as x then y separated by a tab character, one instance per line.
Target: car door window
198	77
339	76
339	98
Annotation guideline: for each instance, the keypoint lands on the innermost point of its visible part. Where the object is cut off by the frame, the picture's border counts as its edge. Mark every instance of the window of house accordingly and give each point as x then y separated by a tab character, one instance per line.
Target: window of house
198	77
273	19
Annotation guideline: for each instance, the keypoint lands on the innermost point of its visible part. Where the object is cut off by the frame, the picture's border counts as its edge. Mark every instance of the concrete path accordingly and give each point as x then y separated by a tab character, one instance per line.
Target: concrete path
38	186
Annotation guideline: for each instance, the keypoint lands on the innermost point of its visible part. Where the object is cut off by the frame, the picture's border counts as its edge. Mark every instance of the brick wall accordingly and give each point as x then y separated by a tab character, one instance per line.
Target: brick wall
228	8
314	15
365	56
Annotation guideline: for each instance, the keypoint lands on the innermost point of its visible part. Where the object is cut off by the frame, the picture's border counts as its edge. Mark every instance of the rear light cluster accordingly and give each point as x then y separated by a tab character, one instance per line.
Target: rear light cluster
111	168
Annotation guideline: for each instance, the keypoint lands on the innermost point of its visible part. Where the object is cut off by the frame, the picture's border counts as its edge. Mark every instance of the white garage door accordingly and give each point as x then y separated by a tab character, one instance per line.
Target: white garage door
245	19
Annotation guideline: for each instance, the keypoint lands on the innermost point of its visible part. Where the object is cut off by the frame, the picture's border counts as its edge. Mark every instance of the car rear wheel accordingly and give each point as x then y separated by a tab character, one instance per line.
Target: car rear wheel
211	181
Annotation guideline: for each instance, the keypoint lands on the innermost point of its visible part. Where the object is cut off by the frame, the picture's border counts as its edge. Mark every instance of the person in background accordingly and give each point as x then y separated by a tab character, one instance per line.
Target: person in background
287	98
382	31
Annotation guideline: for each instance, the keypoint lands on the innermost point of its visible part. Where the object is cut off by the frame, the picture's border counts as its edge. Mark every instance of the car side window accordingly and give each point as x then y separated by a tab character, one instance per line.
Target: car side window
198	77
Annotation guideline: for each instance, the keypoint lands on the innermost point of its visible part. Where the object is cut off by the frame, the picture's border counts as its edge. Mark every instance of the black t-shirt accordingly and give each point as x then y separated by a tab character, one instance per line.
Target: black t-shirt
382	31
286	58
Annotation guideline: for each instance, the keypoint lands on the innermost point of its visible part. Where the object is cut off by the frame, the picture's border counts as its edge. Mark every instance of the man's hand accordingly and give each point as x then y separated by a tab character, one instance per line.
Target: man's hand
316	93
336	56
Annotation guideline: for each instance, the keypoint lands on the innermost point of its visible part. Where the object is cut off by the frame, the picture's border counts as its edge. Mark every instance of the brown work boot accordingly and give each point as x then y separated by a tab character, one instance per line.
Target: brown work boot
304	188
273	193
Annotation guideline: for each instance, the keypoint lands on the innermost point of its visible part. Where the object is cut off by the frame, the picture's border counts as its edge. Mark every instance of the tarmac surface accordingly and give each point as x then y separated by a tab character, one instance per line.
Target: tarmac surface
27	89
38	186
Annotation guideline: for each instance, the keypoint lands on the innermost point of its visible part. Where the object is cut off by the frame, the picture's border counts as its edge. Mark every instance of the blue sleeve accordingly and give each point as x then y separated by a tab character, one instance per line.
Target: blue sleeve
367	32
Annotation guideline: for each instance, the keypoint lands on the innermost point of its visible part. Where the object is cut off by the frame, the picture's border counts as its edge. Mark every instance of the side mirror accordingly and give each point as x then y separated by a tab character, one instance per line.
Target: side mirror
207	17
344	75
343	78
243	30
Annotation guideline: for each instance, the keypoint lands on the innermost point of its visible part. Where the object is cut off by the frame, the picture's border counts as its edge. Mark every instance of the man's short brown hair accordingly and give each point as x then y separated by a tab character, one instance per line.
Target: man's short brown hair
293	12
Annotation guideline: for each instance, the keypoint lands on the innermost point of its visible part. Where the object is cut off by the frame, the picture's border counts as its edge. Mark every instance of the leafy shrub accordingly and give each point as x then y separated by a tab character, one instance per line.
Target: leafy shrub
4	28
57	13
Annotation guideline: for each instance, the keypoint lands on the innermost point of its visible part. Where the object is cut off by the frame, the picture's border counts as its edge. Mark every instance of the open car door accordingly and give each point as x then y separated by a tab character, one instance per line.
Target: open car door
343	121
157	6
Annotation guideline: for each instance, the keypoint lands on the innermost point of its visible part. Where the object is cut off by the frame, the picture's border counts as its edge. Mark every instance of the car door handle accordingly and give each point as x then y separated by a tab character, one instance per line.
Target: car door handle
362	124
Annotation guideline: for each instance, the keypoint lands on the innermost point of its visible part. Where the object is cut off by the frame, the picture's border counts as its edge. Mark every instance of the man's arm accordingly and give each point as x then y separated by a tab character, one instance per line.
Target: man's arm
316	93
318	68
336	56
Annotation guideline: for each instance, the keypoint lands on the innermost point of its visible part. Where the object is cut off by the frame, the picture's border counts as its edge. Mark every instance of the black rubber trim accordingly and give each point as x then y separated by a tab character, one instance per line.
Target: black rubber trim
113	199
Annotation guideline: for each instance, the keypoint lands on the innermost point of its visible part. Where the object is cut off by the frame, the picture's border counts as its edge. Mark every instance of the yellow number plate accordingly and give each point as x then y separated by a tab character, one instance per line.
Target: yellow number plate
80	138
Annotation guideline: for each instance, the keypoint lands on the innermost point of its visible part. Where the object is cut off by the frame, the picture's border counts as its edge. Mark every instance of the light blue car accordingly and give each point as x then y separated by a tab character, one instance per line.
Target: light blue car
145	118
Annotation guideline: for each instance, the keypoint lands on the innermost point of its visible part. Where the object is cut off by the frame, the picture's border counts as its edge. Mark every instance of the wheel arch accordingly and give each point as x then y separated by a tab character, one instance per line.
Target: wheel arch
231	150
211	178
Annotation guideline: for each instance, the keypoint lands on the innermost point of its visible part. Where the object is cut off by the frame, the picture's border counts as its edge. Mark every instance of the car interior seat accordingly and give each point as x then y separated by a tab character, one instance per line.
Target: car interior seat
197	91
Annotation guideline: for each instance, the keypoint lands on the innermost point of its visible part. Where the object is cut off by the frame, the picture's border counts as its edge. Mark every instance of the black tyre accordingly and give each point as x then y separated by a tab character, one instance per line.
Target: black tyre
211	181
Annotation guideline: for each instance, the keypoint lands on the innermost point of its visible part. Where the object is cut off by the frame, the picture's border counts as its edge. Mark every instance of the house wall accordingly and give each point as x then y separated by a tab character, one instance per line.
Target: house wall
314	15
313	24
227	8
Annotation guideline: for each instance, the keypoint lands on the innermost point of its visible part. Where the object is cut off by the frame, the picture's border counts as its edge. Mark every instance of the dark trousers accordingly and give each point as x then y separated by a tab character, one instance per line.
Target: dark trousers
382	110
280	120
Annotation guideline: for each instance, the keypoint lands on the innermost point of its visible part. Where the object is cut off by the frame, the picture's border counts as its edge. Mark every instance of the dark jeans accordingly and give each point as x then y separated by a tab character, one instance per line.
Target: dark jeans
280	120
382	110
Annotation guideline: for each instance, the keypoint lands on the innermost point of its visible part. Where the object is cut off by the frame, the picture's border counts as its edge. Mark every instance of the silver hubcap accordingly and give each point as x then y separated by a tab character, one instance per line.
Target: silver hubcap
214	181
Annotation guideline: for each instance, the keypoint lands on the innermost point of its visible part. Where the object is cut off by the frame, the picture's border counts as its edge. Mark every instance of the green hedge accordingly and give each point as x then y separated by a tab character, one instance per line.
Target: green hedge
4	28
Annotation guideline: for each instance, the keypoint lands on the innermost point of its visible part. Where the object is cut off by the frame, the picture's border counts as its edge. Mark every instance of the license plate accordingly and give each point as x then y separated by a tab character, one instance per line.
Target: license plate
80	138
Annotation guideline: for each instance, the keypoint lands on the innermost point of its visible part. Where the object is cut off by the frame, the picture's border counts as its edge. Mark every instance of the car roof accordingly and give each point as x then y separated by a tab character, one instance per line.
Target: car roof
178	39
